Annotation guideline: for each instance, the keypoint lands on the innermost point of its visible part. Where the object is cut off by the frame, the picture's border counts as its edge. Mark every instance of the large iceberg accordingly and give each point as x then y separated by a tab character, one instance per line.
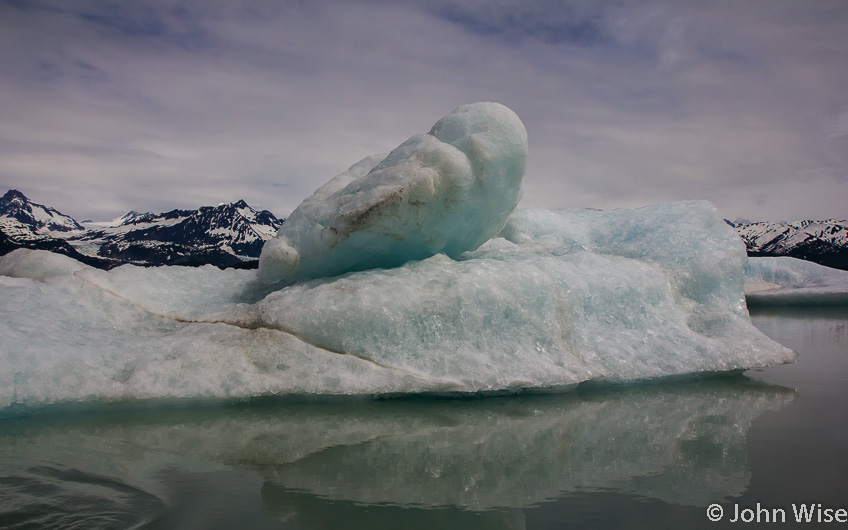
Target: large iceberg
564	297
552	300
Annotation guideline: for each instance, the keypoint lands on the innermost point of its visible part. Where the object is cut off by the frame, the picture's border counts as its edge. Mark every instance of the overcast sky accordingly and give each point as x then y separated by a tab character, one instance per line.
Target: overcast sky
155	104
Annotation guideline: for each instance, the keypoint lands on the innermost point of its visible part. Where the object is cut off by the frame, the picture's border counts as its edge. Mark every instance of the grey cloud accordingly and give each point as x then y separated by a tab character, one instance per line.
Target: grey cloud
153	105
549	21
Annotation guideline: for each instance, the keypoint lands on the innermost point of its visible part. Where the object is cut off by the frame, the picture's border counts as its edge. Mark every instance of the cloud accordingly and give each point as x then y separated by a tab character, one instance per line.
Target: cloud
549	21
106	107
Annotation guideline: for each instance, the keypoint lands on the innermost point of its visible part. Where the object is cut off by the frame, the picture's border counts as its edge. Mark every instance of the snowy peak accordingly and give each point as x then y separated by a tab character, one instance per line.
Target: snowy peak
133	217
230	234
14	197
739	221
824	242
37	218
776	235
225	235
130	217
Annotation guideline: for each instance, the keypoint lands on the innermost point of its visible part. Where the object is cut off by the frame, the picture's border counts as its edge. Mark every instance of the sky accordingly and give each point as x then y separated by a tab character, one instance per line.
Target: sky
151	105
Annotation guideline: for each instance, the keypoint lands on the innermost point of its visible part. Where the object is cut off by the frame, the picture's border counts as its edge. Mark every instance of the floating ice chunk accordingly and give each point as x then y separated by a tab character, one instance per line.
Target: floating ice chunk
447	191
794	282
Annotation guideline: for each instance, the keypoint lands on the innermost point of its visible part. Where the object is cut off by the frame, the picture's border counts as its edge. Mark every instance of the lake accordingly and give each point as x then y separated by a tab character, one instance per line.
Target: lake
758	445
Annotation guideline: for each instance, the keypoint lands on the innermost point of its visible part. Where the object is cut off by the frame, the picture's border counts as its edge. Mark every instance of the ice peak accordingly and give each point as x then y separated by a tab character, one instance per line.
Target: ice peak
448	191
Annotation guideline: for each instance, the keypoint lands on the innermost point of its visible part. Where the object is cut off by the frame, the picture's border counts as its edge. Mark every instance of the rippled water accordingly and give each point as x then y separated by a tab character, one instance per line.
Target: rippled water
651	456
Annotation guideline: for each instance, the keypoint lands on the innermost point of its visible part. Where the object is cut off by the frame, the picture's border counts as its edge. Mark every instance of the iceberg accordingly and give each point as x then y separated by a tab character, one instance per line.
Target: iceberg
562	298
447	191
791	281
523	300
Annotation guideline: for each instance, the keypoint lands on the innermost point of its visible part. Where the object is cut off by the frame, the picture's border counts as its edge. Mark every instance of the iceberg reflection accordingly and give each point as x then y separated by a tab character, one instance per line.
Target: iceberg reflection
683	444
447	459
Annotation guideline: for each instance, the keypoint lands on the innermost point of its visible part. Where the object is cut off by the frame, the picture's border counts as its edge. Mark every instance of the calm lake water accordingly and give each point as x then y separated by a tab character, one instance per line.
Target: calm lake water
649	456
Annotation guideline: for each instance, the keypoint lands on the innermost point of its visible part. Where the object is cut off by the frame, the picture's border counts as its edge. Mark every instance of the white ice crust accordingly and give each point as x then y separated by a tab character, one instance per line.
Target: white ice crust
560	298
791	281
447	191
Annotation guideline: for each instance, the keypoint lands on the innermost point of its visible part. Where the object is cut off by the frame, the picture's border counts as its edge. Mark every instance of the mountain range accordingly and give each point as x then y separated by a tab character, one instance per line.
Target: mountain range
232	235
227	235
823	242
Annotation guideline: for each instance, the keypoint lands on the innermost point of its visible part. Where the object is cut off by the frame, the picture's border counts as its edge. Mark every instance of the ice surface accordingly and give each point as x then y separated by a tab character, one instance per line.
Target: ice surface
561	298
68	340
38	264
791	281
447	191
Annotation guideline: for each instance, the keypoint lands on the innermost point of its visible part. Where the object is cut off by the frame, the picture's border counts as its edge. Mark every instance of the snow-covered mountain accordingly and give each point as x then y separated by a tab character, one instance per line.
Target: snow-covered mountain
24	223
823	242
230	234
21	216
130	216
233	234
